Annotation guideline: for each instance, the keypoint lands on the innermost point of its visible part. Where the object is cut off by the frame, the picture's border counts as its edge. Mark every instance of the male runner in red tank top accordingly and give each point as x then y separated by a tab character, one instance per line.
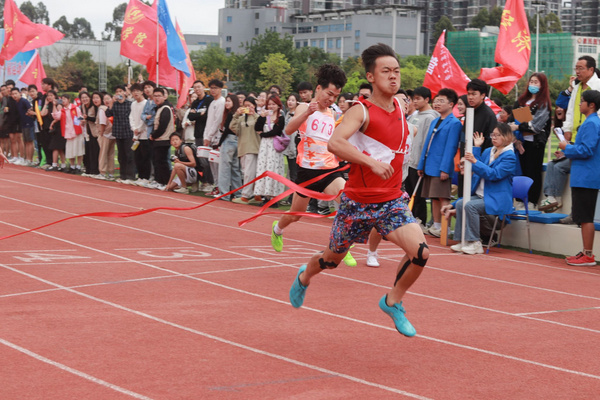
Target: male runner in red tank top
373	195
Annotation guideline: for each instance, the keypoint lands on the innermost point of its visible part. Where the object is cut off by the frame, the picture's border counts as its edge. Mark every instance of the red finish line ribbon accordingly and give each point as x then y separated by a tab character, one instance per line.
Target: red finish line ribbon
268	174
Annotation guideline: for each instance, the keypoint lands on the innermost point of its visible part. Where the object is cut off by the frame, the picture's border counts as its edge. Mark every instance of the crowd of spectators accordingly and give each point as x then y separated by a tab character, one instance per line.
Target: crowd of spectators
219	142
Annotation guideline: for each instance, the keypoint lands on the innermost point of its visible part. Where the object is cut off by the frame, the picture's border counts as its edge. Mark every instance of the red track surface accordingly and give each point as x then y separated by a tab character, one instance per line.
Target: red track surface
188	305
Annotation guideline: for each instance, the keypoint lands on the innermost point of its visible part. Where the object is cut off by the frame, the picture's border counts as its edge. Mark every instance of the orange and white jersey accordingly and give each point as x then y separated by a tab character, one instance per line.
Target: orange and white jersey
314	136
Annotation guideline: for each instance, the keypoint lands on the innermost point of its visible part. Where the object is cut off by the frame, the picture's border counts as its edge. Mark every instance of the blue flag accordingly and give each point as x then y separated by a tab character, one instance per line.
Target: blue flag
175	51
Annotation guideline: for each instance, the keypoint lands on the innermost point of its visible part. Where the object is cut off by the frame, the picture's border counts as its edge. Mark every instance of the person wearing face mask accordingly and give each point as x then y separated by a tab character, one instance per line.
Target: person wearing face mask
533	135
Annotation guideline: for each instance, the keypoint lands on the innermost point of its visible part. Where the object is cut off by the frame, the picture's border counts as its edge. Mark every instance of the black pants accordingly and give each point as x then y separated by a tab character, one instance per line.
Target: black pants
125	158
90	159
531	165
162	168
420	205
143	159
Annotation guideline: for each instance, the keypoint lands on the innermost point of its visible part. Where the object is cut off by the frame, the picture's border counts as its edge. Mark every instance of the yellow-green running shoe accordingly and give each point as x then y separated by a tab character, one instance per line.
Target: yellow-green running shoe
349	260
277	240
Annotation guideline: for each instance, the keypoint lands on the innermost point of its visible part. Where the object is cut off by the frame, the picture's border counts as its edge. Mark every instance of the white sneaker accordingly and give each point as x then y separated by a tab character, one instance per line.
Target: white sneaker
182	190
194	187
434	232
161	187
457	247
372	259
206	187
472	248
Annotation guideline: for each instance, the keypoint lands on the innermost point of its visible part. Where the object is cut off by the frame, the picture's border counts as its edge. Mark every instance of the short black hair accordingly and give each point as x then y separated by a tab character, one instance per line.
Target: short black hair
372	53
51	82
304	86
198	81
275	87
478	85
402	91
32	87
175	134
122	87
590	62
331	74
423	92
10	82
216	82
592	97
136	86
449	94
161	90
66	95
149	83
242	93
15	88
410	93
366	86
52	92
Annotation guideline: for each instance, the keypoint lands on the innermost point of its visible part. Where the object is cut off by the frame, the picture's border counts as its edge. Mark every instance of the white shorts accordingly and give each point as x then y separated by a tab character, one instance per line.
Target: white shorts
191	176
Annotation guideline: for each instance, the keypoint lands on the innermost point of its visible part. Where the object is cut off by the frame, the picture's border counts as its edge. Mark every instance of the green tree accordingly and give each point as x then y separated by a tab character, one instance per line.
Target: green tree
37	14
412	76
112	30
481	19
257	51
552	23
443	23
211	59
307	61
79	29
355	79
495	16
420	62
276	70
352	64
75	71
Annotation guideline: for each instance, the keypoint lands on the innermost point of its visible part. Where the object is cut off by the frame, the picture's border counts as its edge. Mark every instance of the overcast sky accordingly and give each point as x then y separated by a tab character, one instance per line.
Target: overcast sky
194	16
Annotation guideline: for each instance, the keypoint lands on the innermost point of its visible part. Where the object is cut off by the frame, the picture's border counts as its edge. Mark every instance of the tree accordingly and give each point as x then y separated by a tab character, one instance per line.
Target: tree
420	62
354	80
443	23
412	76
79	29
307	61
257	51
276	70
112	30
553	23
76	71
481	19
210	59
37	14
495	16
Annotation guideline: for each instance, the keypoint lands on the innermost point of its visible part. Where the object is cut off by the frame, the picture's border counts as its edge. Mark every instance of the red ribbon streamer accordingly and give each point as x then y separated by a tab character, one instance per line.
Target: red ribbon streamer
267	174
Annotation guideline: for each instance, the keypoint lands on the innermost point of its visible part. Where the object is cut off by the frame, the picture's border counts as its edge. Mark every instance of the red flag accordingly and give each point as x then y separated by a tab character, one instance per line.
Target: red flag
138	35
167	75
444	72
34	73
513	48
20	34
185	82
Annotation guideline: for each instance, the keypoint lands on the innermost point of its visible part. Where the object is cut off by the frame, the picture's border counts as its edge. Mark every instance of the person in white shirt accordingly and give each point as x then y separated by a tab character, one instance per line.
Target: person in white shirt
142	151
212	135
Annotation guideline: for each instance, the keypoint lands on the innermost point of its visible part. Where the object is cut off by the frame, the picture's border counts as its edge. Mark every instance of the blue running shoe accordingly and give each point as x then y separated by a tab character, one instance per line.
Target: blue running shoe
298	290
396	312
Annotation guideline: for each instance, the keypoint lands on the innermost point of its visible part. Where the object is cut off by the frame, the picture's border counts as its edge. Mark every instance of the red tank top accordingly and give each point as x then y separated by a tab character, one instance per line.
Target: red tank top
391	130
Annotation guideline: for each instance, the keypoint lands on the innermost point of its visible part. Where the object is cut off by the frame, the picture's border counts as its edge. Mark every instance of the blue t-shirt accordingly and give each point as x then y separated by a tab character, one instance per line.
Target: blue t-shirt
25	120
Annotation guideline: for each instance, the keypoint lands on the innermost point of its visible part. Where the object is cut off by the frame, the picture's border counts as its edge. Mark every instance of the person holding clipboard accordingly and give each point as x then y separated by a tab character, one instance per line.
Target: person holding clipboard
532	110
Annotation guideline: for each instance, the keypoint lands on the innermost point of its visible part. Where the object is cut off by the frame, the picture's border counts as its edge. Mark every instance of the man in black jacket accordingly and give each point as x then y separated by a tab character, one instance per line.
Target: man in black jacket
199	112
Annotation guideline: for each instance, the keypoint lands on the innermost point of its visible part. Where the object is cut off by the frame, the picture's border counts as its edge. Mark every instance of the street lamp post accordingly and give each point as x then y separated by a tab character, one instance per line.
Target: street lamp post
537	5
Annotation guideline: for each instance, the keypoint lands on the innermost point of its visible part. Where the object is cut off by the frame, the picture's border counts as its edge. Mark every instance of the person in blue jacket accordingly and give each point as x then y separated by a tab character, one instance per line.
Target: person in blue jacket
491	188
436	165
585	180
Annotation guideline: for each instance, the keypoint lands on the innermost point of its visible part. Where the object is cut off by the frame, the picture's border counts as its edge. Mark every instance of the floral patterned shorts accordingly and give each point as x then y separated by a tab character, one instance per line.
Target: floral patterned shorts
354	221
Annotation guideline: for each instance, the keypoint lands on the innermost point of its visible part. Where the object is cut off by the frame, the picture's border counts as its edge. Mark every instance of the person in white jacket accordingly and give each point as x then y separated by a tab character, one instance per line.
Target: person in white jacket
212	135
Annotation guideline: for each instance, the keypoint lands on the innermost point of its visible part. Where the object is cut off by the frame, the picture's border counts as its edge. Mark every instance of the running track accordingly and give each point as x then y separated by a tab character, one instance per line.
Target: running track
187	305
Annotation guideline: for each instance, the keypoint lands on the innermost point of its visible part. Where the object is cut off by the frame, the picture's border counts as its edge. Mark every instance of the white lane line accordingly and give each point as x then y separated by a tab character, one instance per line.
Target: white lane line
73	370
558	311
312	309
220	339
34	251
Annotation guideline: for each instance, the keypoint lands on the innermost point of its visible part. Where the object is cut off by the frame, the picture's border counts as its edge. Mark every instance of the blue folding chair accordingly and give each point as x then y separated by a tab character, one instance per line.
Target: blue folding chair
520	189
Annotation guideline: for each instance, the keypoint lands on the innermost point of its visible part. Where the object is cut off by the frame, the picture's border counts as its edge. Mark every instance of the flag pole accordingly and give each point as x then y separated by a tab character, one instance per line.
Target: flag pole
157	44
467	167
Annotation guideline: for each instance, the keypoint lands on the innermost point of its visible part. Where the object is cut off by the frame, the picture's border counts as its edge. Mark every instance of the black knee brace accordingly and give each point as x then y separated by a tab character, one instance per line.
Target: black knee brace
419	260
327	264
